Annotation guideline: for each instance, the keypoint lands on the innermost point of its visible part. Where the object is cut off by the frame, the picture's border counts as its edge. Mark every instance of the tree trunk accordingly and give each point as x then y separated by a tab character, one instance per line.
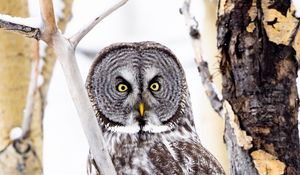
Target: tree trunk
17	53
259	71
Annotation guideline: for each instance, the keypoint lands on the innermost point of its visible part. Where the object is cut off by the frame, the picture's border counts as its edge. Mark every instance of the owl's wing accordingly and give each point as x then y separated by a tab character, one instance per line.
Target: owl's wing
163	161
196	159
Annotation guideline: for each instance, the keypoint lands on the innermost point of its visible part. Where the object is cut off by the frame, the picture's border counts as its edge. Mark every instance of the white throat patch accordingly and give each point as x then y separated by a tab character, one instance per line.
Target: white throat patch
135	128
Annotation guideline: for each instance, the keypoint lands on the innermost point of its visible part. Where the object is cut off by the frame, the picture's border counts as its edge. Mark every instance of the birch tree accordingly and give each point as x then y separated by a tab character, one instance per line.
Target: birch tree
16	55
22	100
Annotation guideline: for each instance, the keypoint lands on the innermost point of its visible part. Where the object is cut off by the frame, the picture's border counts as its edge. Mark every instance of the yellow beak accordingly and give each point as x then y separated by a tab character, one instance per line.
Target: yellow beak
142	109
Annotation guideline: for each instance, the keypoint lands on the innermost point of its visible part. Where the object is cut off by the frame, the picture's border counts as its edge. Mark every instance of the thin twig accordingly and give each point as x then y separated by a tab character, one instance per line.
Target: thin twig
29	32
28	111
205	75
76	38
192	24
210	91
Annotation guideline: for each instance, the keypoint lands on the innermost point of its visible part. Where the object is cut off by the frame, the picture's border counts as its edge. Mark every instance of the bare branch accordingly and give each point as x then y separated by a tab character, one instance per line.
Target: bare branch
192	24
48	18
76	38
210	91
27	31
66	56
205	75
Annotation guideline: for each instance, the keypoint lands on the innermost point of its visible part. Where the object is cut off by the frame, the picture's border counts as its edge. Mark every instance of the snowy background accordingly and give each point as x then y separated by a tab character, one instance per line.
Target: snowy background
65	146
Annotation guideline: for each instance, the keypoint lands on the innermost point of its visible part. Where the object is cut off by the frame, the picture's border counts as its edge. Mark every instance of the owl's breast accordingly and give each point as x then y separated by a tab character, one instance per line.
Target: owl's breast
176	152
150	154
130	157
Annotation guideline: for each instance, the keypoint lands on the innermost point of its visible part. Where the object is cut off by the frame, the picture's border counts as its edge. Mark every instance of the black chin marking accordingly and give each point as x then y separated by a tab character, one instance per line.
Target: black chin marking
142	122
142	134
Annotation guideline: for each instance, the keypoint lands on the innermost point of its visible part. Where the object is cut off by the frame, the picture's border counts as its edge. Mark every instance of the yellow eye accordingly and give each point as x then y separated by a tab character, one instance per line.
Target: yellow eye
154	86
122	87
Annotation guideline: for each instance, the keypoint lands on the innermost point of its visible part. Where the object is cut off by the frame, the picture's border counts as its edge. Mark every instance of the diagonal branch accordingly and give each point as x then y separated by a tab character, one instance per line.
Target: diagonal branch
76	38
192	24
66	56
205	75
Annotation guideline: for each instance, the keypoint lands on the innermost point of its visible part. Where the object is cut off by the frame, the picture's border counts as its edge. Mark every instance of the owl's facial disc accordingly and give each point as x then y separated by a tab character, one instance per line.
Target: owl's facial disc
127	75
146	97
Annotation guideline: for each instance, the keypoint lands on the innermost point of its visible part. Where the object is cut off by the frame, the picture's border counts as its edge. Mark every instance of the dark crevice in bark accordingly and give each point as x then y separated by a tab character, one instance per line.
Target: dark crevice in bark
259	82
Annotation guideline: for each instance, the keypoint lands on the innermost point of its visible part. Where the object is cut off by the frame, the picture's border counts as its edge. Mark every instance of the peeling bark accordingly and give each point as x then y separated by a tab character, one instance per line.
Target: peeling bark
259	71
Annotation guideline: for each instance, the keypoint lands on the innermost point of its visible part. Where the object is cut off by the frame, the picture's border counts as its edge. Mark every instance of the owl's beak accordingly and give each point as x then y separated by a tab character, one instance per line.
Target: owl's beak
141	109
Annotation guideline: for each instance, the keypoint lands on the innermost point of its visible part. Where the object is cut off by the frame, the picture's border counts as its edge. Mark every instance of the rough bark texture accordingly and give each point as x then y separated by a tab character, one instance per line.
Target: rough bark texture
259	72
17	51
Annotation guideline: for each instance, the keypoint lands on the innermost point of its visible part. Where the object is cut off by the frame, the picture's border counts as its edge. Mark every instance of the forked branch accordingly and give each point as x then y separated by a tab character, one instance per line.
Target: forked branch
65	51
76	38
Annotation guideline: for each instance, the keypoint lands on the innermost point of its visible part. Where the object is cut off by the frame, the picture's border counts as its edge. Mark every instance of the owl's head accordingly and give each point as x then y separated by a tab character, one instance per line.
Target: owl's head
137	87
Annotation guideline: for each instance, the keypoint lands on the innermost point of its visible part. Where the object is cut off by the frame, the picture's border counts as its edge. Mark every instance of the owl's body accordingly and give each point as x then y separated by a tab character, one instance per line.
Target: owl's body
142	104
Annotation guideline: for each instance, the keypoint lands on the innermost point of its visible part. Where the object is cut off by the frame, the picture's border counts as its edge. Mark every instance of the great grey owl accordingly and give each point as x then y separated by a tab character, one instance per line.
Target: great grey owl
140	96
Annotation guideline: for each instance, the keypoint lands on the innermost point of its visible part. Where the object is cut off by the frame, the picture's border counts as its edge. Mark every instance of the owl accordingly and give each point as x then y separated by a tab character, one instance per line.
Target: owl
142	104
